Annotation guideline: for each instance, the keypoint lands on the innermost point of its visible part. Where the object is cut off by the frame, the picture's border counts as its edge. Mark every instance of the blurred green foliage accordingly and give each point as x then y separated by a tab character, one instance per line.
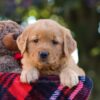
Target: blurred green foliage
81	16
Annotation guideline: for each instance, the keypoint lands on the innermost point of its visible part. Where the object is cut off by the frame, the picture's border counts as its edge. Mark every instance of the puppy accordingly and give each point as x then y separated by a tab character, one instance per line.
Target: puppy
46	47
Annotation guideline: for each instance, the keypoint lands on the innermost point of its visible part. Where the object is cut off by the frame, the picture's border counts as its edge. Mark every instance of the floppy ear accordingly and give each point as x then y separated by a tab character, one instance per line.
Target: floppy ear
69	43
22	41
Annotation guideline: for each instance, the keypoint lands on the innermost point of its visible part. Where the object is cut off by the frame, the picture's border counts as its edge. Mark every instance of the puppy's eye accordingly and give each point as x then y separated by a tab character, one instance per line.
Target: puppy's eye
36	40
55	42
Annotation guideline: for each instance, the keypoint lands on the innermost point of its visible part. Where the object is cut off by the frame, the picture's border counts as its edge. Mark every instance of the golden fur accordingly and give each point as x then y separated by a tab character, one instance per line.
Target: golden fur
47	35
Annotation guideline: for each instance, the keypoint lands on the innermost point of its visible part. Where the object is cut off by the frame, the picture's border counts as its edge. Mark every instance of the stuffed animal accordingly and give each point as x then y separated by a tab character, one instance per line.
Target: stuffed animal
9	30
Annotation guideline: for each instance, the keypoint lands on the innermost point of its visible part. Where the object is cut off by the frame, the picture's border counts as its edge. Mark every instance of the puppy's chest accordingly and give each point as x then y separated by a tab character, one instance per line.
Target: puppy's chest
50	71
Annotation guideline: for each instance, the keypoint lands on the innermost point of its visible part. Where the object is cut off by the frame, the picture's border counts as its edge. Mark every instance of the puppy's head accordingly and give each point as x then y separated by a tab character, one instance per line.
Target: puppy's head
46	43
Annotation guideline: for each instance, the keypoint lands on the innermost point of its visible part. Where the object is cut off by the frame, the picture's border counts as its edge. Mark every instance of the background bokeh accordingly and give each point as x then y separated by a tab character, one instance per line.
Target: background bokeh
81	16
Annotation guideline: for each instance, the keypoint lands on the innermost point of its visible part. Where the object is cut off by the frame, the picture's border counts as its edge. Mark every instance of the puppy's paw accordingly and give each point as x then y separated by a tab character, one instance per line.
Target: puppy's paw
28	76
69	78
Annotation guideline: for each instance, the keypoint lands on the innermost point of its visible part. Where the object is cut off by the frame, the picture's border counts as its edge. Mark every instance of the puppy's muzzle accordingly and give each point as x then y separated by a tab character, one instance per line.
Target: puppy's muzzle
43	55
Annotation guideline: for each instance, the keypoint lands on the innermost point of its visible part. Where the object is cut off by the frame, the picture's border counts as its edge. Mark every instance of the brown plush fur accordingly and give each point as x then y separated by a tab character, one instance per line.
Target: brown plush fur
10	42
48	36
9	30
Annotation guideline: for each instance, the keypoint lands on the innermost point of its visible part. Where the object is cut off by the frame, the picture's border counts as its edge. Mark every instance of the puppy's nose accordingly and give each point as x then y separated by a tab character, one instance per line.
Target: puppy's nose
44	54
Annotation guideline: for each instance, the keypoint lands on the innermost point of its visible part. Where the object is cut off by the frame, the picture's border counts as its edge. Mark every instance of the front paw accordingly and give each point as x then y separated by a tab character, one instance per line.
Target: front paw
28	76
69	78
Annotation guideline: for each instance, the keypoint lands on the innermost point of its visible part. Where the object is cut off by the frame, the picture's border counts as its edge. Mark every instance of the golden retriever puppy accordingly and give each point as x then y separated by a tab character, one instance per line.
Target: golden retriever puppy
46	47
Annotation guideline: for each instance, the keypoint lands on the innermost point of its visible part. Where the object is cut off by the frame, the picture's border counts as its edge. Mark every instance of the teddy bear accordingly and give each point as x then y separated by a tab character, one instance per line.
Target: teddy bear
9	31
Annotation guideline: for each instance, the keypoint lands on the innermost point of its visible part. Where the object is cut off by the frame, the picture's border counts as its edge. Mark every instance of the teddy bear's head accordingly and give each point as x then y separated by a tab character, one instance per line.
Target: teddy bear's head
9	31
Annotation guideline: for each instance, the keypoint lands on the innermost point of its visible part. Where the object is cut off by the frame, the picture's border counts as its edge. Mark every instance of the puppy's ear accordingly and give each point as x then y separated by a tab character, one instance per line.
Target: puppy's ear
69	43
22	41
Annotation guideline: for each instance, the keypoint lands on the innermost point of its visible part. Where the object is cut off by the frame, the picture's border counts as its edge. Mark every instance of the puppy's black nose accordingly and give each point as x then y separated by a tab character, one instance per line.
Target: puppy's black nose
44	54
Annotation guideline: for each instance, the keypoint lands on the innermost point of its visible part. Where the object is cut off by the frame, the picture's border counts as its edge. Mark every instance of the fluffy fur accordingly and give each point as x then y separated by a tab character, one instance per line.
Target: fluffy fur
48	36
9	30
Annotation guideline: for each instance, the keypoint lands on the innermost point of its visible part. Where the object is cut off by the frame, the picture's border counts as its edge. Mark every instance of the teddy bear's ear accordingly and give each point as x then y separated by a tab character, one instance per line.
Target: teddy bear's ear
69	42
22	41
